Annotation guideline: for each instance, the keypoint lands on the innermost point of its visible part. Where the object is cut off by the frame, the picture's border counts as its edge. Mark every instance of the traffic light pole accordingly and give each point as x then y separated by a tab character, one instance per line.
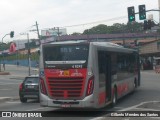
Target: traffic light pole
149	11
2	51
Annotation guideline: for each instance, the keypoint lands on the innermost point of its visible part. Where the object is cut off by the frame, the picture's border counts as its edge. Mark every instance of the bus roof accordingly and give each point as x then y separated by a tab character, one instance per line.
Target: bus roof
103	44
85	41
70	42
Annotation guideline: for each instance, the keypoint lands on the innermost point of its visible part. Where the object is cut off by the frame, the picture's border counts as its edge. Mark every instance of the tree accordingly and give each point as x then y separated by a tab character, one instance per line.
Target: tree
115	28
76	33
134	27
100	29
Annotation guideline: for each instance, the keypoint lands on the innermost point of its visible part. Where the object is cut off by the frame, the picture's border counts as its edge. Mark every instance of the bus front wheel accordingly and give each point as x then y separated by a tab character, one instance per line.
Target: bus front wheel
114	99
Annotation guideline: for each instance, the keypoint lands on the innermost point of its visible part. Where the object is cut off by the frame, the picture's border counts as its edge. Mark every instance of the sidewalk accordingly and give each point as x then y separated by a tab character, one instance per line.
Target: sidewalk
10	93
149	71
14	71
3	99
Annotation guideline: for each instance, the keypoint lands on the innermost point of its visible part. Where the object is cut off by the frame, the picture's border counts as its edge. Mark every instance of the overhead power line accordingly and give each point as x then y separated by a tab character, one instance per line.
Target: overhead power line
107	20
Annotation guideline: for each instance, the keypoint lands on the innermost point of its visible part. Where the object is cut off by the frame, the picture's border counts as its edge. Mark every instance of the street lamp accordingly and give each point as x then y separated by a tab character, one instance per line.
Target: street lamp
29	59
11	36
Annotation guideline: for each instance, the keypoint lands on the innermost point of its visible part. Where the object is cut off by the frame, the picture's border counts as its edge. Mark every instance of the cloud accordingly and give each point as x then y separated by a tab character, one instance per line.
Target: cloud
21	14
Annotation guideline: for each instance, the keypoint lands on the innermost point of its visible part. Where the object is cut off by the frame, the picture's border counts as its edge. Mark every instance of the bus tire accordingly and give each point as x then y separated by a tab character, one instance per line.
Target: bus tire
114	99
135	83
134	86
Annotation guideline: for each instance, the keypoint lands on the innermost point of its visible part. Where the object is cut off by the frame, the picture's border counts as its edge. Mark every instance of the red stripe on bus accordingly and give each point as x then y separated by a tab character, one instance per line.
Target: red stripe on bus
122	88
102	98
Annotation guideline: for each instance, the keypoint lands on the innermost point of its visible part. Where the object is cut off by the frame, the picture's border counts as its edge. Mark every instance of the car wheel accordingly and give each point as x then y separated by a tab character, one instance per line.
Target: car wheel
23	100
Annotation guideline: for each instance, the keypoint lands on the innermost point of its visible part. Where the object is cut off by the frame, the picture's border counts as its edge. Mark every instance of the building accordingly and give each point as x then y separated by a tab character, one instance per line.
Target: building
148	52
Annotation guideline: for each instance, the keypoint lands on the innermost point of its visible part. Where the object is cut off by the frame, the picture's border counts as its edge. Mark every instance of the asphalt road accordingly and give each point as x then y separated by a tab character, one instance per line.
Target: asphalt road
145	98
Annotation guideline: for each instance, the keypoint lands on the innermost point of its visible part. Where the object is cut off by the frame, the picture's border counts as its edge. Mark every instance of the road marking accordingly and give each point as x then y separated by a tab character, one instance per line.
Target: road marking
3	83
98	118
4	97
157	118
5	89
132	107
146	109
13	102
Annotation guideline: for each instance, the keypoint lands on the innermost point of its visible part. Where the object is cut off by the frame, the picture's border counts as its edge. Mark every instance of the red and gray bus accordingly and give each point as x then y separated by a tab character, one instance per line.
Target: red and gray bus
77	74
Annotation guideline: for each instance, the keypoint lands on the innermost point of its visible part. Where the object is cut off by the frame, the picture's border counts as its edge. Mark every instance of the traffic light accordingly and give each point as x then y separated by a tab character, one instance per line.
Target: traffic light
131	14
149	24
142	12
145	25
12	34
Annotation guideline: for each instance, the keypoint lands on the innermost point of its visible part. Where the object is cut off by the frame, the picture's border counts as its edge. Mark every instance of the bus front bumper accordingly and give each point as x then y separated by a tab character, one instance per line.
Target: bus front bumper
87	102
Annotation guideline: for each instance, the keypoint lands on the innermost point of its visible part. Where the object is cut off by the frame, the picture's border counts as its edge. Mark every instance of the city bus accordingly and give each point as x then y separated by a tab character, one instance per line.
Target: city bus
79	74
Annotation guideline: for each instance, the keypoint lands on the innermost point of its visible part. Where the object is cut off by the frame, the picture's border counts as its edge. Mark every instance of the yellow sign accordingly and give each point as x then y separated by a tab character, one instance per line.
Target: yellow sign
66	72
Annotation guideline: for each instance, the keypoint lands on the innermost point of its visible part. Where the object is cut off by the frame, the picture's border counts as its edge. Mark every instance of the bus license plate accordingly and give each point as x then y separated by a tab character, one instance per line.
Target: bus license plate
30	86
66	105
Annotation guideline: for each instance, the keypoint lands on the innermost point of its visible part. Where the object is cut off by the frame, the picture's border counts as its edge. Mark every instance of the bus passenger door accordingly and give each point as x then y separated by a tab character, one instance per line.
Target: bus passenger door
104	63
108	77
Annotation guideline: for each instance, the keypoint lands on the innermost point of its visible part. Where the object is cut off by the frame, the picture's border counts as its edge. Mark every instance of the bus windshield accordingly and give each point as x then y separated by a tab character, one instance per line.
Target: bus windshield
66	53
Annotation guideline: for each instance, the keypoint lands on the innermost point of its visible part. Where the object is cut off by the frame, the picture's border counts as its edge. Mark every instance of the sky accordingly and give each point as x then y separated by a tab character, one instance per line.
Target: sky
20	16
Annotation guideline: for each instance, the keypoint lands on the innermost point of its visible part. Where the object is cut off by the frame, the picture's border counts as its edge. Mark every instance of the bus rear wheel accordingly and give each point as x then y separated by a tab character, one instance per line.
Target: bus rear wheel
114	99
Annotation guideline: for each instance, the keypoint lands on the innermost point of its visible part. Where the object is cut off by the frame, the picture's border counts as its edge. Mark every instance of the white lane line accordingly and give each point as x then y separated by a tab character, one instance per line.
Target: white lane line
146	109
98	118
4	83
157	118
129	108
5	89
13	102
132	107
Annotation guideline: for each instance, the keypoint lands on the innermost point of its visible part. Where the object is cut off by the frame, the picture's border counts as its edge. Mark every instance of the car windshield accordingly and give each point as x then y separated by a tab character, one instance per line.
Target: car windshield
32	80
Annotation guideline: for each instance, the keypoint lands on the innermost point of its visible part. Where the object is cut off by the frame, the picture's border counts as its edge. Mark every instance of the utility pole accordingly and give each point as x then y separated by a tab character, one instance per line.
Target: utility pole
37	29
58	33
29	59
159	9
38	32
28	48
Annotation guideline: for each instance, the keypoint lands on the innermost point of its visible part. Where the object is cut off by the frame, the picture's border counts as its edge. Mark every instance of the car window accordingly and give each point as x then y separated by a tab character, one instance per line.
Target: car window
32	80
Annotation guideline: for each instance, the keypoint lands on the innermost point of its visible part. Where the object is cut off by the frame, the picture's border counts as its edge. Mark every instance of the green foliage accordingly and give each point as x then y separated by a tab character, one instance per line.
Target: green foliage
115	28
33	56
76	33
4	46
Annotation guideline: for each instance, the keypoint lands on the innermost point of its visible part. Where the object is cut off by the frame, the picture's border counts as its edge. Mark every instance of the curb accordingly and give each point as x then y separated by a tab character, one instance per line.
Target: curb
17	78
4	73
4	99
